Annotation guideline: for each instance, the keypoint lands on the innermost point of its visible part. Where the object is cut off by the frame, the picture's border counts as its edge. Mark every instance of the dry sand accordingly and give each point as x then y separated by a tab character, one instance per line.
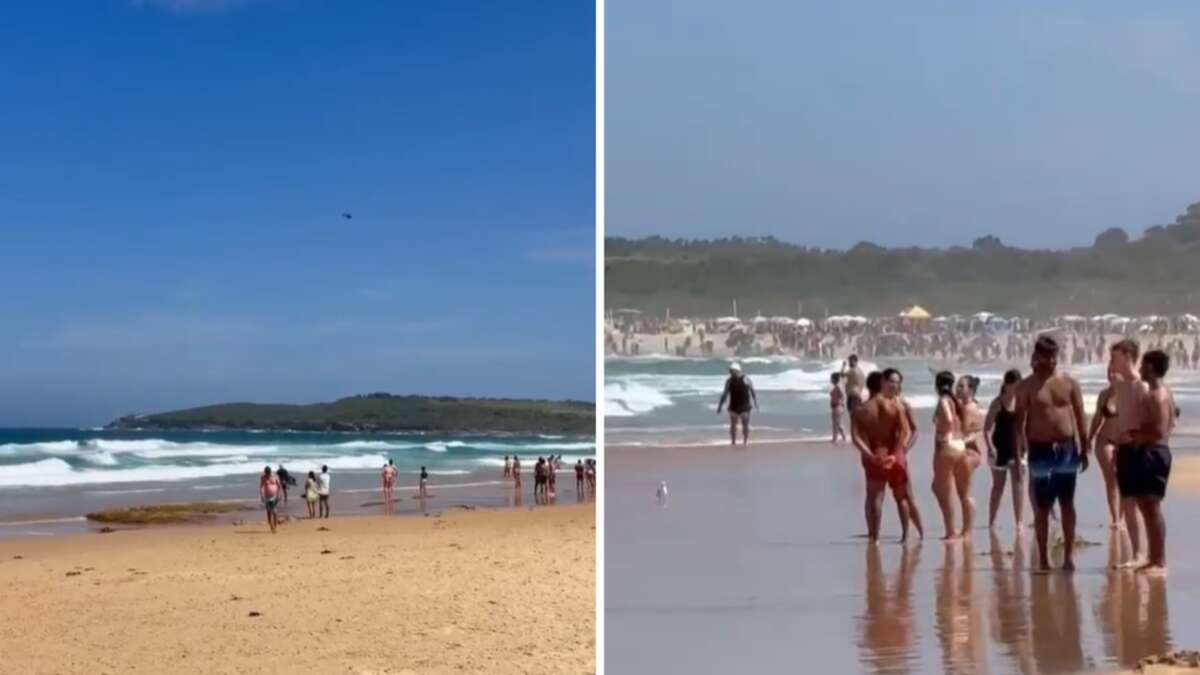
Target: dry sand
504	591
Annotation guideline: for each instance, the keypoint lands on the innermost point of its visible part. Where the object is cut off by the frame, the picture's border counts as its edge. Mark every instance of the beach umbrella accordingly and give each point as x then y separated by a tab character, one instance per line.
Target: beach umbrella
915	312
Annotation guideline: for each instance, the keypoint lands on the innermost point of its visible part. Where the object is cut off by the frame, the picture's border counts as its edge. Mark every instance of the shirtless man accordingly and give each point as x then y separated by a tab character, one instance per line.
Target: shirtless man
516	472
1122	415
579	477
1049	423
855	381
1148	470
739	391
268	491
879	431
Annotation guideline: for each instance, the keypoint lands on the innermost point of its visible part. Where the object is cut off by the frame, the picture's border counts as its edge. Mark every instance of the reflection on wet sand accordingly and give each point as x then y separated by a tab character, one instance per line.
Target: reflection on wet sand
1132	611
959	622
1054	622
1007	617
887	626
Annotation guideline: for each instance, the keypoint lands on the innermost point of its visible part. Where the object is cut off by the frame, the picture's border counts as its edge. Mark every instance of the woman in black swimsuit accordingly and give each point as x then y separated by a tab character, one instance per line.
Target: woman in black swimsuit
1000	433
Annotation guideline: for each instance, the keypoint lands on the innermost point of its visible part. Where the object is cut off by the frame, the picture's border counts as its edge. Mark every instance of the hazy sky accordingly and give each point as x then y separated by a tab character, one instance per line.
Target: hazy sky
174	172
931	123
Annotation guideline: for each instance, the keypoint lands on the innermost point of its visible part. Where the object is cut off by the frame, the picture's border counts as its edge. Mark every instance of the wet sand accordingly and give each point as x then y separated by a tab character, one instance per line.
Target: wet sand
52	511
502	591
758	563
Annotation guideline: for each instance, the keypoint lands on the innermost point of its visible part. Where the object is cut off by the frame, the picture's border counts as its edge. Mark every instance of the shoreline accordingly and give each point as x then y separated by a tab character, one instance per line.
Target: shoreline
63	511
487	590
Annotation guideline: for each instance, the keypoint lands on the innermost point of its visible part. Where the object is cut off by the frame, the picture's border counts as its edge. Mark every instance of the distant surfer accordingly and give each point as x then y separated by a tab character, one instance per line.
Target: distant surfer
739	392
1049	410
268	491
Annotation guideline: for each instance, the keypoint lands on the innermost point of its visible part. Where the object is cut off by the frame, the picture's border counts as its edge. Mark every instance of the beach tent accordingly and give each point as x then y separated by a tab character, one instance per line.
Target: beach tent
915	312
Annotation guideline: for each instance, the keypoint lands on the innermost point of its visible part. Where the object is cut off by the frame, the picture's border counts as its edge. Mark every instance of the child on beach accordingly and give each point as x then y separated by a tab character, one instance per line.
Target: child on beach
310	494
837	406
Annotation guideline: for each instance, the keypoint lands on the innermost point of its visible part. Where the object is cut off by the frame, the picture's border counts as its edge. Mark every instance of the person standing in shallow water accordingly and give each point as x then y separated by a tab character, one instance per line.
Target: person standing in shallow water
1004	457
1049	409
310	494
837	407
739	392
1148	469
268	491
323	489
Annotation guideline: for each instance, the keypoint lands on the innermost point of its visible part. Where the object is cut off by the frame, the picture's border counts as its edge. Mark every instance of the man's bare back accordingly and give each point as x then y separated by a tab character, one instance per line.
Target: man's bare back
1050	415
882	424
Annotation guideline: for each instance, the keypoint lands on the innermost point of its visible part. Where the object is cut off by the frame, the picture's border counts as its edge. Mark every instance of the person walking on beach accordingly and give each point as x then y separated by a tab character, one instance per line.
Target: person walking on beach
323	491
423	486
1004	457
1049	410
837	407
739	392
579	477
268	492
507	467
1148	469
551	476
516	472
310	494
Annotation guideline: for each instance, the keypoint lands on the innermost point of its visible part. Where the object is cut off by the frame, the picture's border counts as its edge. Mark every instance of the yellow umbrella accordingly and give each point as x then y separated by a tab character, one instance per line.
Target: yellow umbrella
915	312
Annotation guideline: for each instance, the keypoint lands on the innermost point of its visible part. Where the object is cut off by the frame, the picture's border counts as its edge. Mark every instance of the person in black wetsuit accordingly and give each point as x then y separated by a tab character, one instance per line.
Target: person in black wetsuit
739	392
999	431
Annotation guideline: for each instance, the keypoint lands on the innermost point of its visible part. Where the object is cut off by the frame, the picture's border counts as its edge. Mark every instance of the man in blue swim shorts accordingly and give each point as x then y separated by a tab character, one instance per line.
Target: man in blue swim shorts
268	491
1049	412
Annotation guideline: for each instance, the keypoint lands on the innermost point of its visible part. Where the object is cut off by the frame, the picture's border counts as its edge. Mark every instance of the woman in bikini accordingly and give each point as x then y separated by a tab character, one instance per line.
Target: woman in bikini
972	416
999	432
952	461
1103	438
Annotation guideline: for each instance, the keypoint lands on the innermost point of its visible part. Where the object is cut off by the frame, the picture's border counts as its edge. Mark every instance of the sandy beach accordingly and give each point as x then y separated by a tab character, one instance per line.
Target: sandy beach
759	554
498	591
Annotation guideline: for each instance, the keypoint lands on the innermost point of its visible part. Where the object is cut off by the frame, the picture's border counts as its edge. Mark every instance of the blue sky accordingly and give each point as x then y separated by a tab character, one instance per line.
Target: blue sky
929	123
174	173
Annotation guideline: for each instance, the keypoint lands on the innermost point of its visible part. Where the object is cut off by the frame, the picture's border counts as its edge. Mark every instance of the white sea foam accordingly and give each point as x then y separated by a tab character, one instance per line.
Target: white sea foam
629	398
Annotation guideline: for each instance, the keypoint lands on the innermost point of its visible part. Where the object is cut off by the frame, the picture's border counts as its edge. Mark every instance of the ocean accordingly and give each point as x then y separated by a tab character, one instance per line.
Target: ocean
659	400
61	474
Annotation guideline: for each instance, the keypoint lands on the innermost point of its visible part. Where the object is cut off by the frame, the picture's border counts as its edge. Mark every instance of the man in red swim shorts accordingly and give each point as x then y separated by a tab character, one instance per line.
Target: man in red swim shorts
880	432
